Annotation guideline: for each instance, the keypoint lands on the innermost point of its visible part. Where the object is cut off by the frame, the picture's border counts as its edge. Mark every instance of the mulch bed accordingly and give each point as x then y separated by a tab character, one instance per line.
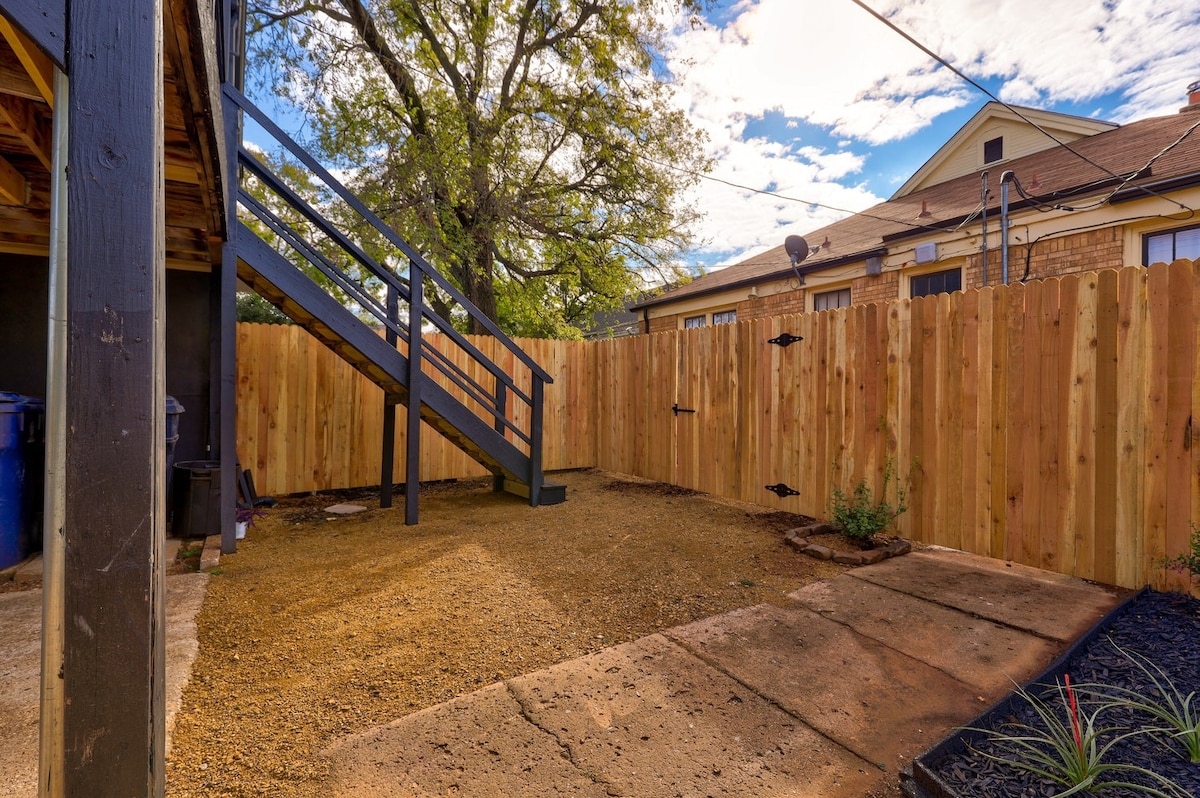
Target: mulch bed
1163	627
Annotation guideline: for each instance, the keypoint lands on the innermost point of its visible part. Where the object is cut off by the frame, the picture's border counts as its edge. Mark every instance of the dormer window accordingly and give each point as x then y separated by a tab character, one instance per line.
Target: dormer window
993	150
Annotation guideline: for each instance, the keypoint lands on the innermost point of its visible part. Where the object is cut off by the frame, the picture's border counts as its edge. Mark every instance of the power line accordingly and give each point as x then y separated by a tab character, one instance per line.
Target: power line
433	78
911	40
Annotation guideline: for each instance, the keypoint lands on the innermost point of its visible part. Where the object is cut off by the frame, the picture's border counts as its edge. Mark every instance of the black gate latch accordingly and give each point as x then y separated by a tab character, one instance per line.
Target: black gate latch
785	339
782	491
676	409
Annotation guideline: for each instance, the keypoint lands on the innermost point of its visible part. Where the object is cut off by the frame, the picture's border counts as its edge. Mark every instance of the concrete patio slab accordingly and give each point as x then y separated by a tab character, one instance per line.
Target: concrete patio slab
824	697
476	745
1048	605
876	701
649	719
20	669
981	653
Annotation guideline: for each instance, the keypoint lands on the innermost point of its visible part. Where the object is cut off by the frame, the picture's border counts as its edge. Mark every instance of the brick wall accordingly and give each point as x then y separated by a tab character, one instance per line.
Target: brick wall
662	323
1052	257
783	304
1088	251
1070	254
865	290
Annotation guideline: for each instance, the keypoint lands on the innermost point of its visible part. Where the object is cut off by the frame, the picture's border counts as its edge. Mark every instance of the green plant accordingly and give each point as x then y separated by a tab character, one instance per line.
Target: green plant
1069	753
1189	562
1178	711
859	516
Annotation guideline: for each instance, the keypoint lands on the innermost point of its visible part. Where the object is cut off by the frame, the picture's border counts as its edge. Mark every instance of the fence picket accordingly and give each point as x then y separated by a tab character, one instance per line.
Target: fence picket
1049	423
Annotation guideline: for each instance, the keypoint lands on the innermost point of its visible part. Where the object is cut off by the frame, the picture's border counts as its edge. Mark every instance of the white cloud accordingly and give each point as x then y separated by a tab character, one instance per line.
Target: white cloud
831	64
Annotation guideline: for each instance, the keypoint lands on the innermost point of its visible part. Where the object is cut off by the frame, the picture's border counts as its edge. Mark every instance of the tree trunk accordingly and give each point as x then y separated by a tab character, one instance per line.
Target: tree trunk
481	290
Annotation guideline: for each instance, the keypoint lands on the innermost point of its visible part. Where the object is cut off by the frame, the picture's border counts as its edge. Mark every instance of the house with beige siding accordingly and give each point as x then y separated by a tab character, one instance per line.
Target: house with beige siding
1074	195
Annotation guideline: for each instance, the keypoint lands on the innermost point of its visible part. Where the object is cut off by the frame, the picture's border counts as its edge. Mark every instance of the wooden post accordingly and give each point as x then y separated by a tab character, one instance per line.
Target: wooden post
113	653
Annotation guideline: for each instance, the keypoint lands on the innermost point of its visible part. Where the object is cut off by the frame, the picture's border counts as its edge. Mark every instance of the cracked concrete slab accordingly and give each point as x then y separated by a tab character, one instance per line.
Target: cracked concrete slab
801	700
976	651
20	673
878	702
479	744
1050	605
648	718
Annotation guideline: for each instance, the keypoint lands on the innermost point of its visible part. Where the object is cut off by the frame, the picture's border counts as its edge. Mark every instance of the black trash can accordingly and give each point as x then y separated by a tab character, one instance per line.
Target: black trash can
174	410
196	502
22	458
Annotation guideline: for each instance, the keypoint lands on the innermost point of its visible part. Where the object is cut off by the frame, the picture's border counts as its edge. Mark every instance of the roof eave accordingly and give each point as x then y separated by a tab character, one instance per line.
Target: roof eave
783	274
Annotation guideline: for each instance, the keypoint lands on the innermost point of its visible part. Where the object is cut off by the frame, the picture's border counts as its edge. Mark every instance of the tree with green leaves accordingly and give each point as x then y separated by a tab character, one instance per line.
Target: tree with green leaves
528	147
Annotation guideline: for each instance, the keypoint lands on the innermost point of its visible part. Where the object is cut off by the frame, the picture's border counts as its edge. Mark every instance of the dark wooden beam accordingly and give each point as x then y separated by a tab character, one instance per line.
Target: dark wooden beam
44	22
113	654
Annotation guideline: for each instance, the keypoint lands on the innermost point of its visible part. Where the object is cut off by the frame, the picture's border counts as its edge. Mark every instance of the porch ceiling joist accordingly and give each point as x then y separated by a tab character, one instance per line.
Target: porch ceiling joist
13	188
44	23
28	126
38	66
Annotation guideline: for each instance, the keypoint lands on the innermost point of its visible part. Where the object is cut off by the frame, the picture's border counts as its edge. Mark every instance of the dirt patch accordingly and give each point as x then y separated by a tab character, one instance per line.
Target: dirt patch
323	626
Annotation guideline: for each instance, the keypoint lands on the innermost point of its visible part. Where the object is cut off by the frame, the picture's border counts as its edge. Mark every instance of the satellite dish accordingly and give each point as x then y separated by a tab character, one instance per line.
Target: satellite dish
796	247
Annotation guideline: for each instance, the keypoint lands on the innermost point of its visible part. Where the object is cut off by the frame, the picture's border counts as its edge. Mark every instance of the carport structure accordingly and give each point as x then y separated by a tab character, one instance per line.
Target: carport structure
113	192
120	153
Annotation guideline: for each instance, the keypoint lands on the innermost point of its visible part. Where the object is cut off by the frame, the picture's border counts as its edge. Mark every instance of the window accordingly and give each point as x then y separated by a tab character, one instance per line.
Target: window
993	150
1171	246
693	321
936	283
725	317
828	300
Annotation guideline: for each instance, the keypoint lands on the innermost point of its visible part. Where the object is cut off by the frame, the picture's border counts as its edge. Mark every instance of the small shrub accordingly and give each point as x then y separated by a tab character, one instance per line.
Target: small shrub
859	516
1189	562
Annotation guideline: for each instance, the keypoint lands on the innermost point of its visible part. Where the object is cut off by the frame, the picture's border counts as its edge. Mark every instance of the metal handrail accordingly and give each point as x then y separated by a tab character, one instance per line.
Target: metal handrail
354	202
493	402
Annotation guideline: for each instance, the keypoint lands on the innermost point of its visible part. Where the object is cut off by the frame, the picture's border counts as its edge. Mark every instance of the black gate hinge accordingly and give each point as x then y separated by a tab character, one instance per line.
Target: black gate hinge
782	491
676	409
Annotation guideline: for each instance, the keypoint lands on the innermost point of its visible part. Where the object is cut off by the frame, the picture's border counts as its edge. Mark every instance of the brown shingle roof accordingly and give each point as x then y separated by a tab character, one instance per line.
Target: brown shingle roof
1061	174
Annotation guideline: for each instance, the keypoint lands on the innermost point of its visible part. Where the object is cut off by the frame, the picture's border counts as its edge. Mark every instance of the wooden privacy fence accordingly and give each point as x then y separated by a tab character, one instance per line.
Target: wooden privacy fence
1049	423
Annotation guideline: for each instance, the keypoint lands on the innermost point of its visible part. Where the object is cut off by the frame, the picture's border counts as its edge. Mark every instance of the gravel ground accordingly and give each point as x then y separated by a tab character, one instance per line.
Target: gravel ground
323	626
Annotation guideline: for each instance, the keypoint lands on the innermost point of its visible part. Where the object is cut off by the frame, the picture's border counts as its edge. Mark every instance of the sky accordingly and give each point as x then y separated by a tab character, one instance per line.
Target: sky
818	101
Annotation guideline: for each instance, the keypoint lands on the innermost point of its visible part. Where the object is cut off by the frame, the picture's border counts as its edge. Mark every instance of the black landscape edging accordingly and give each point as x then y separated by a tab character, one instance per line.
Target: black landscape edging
920	780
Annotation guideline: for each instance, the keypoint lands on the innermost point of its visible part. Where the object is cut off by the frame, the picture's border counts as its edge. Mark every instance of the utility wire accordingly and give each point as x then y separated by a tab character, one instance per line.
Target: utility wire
1011	108
433	78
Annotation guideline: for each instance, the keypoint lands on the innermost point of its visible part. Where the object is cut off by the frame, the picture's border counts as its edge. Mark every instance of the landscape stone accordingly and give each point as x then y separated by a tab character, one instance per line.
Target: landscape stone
820	552
847	558
345	509
873	556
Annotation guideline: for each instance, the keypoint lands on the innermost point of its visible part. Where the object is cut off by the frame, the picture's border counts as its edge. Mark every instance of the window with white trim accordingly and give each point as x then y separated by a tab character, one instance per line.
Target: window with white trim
828	300
725	317
691	322
935	283
1171	245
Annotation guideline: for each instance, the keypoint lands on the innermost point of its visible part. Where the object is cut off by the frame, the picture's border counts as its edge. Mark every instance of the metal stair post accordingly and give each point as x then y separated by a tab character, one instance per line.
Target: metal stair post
389	410
535	443
501	395
412	444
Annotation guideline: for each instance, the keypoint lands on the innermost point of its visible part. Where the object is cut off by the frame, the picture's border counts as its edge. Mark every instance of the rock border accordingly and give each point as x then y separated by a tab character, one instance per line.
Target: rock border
798	539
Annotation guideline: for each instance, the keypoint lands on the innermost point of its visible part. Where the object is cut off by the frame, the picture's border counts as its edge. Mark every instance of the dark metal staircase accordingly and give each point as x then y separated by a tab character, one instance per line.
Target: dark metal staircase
296	241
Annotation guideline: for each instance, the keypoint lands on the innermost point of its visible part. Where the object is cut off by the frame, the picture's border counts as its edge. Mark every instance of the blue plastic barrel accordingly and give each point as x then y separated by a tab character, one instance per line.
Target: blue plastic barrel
21	433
